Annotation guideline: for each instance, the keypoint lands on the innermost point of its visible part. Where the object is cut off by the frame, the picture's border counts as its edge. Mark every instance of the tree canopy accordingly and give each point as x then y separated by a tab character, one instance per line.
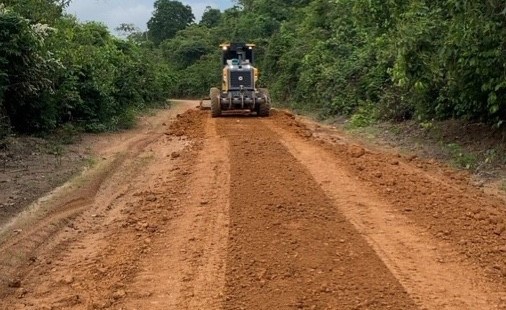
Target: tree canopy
211	17
56	71
395	60
168	18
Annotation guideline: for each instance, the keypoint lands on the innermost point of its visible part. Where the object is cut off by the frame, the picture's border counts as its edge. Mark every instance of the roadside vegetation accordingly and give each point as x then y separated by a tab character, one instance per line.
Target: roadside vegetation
368	60
58	73
393	60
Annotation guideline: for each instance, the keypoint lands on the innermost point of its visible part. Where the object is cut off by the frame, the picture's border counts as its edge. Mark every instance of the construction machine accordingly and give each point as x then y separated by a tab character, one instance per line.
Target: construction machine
239	90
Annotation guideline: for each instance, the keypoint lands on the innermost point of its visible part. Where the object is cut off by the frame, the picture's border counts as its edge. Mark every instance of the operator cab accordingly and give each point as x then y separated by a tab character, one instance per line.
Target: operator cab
237	54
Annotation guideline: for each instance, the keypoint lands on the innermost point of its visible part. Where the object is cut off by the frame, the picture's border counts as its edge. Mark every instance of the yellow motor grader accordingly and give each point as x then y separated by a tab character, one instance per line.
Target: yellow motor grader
238	91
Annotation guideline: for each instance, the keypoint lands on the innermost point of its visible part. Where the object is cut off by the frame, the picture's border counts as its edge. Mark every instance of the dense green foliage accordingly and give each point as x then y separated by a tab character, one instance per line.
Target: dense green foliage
393	59
55	70
371	59
211	17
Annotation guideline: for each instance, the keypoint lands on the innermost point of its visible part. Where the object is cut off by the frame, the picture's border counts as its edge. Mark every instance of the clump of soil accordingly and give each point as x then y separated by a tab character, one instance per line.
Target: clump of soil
289	119
189	124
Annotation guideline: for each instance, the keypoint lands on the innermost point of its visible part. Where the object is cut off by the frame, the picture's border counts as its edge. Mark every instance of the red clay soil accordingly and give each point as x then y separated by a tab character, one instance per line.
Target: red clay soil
289	247
438	198
255	213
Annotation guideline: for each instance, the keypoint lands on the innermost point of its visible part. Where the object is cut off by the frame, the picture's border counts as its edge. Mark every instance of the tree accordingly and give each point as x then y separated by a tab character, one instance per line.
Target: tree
26	67
126	29
211	17
188	46
168	18
131	32
41	11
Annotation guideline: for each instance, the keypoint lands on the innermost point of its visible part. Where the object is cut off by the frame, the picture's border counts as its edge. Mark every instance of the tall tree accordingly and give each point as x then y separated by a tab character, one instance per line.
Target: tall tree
168	18
211	17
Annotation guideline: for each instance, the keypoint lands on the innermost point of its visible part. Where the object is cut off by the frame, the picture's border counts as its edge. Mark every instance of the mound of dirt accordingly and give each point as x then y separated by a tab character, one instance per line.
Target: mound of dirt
189	124
288	119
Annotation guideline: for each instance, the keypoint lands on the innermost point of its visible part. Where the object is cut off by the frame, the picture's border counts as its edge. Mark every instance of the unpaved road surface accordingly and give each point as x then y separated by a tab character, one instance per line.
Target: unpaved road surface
239	212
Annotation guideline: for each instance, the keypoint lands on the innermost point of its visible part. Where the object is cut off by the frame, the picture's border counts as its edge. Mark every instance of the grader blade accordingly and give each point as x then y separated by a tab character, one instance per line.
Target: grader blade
205	103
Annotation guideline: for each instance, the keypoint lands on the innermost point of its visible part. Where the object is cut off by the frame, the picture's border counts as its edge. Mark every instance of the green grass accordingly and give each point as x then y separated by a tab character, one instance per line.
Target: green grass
460	157
365	116
145	159
58	150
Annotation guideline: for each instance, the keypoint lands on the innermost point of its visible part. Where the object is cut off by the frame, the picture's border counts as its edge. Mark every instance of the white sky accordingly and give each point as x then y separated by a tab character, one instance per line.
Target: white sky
138	12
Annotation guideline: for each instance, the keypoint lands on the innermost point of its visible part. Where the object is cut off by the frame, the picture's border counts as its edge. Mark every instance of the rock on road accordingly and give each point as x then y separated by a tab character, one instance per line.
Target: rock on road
191	212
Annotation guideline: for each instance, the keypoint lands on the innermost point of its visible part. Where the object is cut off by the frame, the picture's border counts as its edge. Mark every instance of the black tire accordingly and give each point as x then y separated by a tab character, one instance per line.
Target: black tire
264	109
215	102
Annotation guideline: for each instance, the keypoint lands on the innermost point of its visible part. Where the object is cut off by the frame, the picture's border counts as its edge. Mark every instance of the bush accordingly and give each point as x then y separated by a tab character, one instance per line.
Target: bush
394	106
67	133
127	119
74	73
365	115
5	130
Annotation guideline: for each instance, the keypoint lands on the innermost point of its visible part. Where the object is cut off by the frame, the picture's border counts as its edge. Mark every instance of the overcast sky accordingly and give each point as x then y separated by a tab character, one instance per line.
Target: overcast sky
138	12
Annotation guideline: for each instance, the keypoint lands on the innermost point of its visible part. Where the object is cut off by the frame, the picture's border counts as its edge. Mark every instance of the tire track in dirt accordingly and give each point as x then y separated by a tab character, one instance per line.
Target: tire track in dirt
35	232
159	244
186	269
289	247
430	270
77	265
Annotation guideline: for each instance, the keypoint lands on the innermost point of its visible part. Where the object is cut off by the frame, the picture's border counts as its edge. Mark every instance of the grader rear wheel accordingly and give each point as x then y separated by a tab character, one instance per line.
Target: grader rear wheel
215	102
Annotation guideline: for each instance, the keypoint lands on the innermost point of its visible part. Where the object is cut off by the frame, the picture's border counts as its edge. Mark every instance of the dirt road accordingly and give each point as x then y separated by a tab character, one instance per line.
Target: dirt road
190	212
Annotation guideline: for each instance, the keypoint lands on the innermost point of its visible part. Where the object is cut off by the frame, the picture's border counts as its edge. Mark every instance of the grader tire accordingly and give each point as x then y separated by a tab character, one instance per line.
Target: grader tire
264	109
215	102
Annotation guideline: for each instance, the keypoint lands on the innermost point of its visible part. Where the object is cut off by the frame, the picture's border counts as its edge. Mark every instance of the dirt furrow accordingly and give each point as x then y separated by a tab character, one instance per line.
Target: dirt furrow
40	226
431	270
438	199
289	247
